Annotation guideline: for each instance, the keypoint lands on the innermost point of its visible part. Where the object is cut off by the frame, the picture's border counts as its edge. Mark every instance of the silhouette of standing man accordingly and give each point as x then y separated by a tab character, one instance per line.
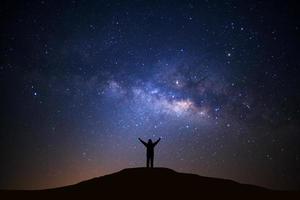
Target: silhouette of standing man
150	150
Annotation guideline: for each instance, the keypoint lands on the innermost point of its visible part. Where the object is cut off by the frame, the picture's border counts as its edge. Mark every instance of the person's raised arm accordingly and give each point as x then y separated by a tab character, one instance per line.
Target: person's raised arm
155	143
144	143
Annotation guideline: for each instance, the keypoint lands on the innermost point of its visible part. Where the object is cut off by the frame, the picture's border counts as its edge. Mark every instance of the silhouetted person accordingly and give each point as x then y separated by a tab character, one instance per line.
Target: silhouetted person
150	150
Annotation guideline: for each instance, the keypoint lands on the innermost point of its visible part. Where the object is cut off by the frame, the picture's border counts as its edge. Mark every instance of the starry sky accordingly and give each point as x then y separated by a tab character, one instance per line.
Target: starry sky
80	81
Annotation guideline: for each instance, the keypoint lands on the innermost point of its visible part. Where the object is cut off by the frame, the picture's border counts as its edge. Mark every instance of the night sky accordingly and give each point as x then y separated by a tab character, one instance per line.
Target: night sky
80	81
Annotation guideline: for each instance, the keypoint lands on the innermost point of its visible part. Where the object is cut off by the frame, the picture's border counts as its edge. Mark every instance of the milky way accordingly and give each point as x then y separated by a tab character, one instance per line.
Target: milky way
81	81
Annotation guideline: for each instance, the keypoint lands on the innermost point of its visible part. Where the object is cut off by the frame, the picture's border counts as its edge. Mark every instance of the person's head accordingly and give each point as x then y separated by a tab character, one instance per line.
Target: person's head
150	141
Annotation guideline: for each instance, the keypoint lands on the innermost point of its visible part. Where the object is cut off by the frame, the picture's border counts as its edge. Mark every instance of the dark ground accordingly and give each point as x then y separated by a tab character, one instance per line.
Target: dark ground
156	183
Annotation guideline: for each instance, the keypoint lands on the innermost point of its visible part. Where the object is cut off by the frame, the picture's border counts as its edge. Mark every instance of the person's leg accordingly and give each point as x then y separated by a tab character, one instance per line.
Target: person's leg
147	161
152	160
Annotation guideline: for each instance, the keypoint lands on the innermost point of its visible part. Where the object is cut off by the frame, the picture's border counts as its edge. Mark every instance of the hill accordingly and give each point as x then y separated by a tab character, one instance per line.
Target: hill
156	183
